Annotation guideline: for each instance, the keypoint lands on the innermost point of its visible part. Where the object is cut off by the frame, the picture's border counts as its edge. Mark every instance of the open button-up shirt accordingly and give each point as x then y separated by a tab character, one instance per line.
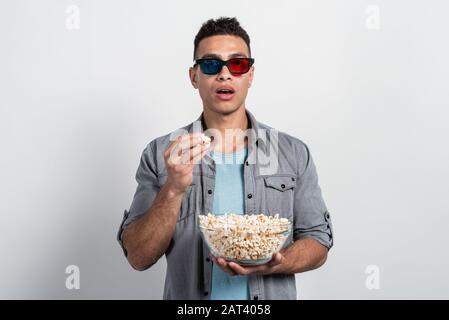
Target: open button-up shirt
279	178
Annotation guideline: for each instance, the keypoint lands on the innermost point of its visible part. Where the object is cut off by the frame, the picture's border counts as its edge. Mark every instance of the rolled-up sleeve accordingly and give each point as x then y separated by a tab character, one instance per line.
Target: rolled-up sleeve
311	217
147	189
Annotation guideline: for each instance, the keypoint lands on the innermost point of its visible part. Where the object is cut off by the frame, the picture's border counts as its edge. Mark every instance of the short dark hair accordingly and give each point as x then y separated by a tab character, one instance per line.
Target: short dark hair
221	26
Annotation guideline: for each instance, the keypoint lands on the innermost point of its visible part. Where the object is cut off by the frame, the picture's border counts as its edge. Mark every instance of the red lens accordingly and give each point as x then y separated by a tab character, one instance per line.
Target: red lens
238	65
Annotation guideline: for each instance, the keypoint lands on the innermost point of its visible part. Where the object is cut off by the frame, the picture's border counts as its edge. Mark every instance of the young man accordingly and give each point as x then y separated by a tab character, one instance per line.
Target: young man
248	168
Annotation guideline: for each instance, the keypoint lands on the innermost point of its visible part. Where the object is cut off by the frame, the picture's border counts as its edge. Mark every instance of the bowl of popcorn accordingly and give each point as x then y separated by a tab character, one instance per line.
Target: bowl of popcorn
245	239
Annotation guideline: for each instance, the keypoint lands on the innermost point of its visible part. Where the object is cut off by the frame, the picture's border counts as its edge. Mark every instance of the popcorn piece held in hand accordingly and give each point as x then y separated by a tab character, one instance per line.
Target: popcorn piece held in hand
205	140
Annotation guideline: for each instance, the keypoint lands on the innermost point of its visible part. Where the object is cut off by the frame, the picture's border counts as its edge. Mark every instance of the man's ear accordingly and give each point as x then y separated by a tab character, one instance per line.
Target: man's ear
193	77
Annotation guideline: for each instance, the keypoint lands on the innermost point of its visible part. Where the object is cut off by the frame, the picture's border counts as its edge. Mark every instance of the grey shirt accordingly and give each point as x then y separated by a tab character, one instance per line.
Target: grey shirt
279	178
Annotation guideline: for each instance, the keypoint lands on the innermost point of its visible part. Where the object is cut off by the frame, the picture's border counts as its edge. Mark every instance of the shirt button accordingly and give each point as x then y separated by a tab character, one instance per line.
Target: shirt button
206	293
283	186
250	196
327	215
209	191
247	163
293	179
256	298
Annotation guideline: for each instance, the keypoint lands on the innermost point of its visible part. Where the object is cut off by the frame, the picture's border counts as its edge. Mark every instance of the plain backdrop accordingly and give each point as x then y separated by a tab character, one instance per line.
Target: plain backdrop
363	83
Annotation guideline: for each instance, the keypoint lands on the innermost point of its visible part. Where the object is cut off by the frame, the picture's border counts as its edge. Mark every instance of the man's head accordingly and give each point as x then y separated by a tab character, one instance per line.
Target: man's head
222	39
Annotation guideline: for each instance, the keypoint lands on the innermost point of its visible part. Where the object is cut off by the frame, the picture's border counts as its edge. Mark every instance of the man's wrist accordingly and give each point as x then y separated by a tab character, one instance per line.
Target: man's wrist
172	192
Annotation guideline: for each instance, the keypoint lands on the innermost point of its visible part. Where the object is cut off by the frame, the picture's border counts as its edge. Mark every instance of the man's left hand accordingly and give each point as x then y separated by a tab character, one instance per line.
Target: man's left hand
233	268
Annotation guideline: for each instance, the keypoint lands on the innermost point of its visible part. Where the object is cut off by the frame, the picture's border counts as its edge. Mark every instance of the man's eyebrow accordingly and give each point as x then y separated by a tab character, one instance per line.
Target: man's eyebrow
211	55
238	55
216	56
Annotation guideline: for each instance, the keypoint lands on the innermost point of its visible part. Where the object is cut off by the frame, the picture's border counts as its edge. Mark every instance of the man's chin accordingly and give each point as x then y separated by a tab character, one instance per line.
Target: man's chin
225	109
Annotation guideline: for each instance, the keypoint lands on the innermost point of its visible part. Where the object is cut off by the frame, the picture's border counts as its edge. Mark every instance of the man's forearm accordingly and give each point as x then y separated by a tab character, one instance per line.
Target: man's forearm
303	255
147	238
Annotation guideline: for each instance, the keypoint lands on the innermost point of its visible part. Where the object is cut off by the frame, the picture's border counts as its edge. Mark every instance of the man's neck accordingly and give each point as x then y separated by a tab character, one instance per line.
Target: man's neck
234	123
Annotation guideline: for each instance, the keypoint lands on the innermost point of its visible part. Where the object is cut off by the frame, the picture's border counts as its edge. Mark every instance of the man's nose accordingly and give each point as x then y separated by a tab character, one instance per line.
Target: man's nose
224	74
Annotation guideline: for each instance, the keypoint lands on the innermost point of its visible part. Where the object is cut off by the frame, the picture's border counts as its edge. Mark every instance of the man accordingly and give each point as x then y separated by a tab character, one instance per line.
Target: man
182	175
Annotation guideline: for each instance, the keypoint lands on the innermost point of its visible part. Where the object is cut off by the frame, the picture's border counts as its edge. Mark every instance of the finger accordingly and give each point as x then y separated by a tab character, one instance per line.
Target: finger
189	142
199	157
191	156
186	154
241	270
275	259
176	157
278	258
179	139
177	167
225	266
183	170
185	145
171	146
172	161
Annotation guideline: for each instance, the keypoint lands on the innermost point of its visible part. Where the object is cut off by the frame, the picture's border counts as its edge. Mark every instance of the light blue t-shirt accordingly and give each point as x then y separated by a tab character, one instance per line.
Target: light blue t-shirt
229	198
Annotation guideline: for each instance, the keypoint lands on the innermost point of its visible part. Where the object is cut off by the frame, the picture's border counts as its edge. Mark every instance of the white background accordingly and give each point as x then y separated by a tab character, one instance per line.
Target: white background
77	107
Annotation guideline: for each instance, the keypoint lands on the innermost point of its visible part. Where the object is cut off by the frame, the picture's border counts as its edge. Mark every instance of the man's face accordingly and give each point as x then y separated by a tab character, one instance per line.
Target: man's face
223	47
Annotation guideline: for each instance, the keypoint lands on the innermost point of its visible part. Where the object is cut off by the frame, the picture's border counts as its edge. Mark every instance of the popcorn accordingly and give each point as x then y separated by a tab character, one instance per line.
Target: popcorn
244	237
205	140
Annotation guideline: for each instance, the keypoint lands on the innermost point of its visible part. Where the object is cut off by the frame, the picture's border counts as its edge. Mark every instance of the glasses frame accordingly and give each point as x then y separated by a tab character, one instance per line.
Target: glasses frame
225	63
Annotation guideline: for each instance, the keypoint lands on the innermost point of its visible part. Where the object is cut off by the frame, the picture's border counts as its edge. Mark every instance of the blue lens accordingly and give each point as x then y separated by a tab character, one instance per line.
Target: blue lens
210	66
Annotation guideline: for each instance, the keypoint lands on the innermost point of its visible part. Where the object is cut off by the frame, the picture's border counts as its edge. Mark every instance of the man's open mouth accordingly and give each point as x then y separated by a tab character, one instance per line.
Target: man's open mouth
225	93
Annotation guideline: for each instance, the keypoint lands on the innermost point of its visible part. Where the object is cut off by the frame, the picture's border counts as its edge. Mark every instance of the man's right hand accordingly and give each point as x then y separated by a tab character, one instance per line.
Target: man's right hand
180	158
147	238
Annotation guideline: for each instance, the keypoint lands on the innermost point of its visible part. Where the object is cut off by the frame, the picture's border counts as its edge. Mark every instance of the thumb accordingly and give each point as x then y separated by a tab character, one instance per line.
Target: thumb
278	258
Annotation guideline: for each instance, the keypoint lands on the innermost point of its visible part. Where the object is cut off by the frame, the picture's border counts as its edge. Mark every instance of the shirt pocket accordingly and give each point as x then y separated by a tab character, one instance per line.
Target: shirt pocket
279	195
